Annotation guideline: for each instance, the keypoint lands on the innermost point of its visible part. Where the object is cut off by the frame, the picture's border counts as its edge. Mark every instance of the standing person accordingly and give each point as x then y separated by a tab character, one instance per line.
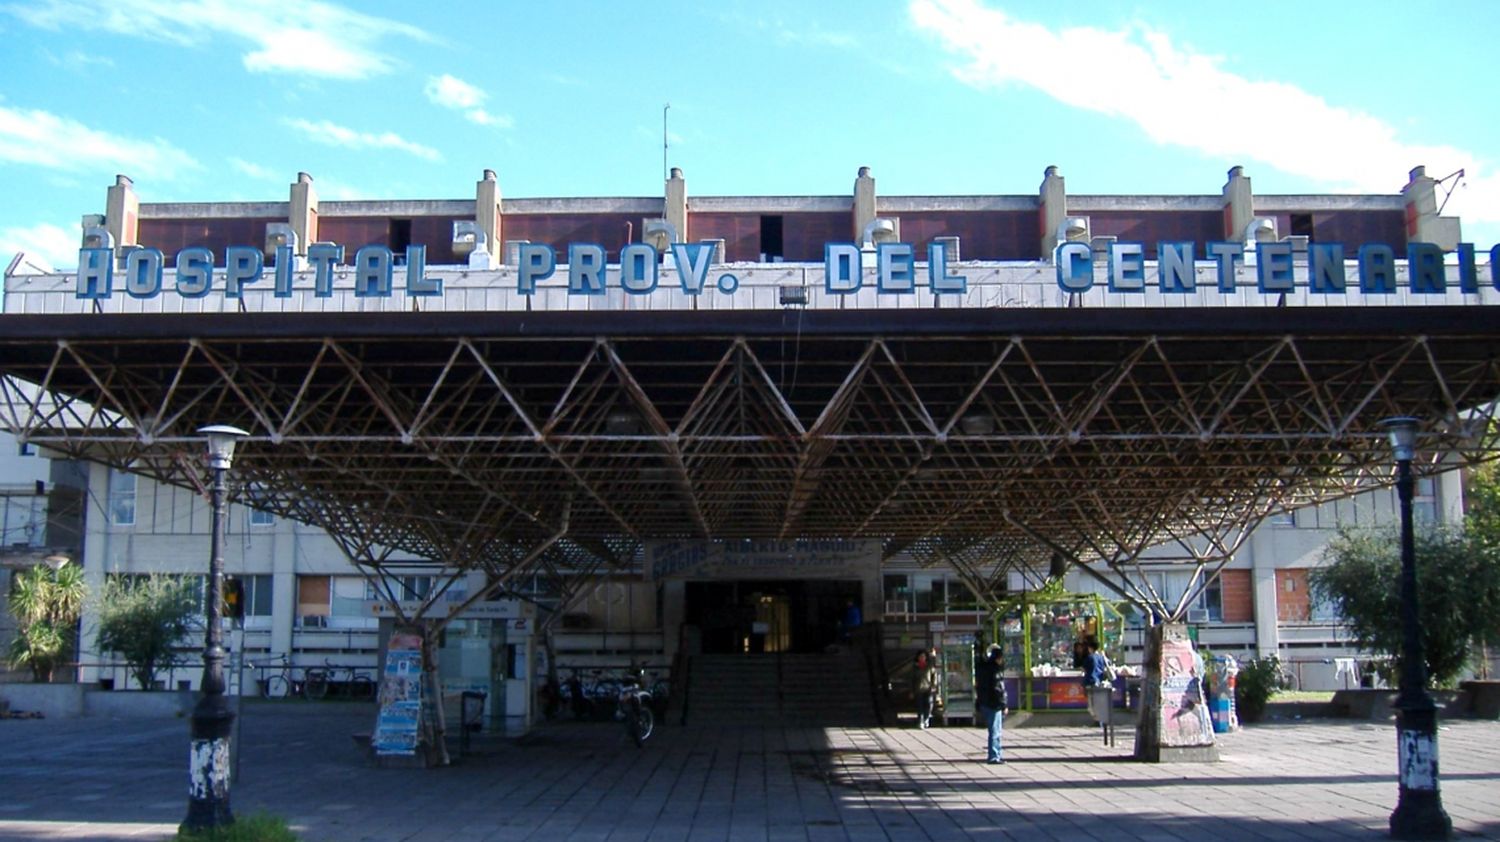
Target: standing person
925	686
989	689
1096	673
1095	665
852	620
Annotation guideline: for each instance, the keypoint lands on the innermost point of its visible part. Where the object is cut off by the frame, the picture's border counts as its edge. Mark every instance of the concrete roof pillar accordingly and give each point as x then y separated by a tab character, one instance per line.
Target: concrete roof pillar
302	212
1054	209
487	214
864	202
676	212
122	214
1239	204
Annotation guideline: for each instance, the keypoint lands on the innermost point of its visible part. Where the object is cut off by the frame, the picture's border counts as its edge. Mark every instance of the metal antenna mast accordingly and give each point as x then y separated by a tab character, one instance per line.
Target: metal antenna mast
664	141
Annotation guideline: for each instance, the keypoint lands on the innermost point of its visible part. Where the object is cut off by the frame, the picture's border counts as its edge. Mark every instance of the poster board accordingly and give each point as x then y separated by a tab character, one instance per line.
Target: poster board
956	654
1184	715
398	726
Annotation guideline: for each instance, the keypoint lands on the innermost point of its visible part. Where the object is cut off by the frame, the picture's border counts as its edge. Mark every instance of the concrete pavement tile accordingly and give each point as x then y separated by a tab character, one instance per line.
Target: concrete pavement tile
1309	780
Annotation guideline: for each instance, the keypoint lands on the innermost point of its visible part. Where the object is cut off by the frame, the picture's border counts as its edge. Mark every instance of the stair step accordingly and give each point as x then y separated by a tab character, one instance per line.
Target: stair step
788	689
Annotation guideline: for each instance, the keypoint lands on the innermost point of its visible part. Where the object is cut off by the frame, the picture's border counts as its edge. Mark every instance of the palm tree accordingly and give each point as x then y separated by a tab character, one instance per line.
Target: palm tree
46	603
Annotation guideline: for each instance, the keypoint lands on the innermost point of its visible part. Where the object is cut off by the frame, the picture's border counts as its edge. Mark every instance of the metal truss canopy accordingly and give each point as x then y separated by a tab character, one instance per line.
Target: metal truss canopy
1006	435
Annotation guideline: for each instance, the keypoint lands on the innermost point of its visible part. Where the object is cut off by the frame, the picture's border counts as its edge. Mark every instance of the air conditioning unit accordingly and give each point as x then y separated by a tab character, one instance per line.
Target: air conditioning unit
313	621
1197	615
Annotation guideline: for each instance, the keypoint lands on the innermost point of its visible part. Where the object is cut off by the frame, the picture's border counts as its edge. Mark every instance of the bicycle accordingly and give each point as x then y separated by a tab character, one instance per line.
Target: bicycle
356	684
635	707
602	694
315	683
280	684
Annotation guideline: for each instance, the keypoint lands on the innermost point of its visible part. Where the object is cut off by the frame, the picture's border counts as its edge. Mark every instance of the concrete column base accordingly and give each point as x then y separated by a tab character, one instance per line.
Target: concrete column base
1172	754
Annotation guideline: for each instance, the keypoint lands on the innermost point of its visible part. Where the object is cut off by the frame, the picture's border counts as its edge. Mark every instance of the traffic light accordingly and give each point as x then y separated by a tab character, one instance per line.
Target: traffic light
234	598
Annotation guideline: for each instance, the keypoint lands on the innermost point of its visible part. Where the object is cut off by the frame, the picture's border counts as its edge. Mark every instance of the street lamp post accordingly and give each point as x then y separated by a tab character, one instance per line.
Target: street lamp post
1419	810
208	759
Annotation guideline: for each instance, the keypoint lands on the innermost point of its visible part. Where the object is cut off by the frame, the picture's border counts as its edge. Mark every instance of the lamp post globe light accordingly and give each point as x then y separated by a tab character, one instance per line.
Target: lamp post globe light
208	759
1419	810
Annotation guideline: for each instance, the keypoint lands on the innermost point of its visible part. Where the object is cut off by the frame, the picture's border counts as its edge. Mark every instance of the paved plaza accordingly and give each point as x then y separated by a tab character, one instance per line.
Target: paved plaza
99	779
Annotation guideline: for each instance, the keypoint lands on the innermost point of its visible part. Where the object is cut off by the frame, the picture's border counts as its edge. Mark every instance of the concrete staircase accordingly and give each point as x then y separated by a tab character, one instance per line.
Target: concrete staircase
820	690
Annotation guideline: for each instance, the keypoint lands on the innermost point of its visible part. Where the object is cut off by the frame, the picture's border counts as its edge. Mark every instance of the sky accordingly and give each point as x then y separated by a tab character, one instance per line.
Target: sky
222	100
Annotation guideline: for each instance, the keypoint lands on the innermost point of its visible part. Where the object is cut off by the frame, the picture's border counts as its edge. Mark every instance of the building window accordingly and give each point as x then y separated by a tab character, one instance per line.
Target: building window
346	608
259	517
25	520
1301	225
121	498
1210	602
771	243
1424	502
313	594
27	449
929	594
413	587
400	238
1324	610
1283	519
257	595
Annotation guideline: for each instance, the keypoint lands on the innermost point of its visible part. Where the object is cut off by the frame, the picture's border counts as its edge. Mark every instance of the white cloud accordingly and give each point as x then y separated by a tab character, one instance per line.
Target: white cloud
284	36
332	134
256	171
77	60
803	32
1170	93
452	92
337	191
813	36
40	138
43	243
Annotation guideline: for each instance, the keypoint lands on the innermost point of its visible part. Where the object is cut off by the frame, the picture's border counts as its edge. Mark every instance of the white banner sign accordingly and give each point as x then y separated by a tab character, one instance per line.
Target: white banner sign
506	609
806	559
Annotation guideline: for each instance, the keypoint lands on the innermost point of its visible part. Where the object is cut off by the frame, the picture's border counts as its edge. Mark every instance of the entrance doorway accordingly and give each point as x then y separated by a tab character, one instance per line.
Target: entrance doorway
769	616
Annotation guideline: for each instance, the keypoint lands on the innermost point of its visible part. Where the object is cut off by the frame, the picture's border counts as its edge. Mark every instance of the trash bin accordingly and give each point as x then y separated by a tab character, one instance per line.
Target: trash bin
1101	699
470	716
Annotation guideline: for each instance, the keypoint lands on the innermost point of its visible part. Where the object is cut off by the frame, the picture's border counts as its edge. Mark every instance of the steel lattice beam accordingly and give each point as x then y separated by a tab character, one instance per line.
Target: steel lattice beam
988	452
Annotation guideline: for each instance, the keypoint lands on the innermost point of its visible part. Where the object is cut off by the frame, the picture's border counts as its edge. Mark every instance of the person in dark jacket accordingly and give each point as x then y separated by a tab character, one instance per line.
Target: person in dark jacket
1095	665
989	689
925	683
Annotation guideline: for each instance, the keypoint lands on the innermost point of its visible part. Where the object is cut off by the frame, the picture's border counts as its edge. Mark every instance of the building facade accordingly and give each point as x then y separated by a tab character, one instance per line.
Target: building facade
1059	258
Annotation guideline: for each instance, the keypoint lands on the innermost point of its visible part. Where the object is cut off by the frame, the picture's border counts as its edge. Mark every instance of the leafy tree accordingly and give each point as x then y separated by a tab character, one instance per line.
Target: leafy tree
1482	521
142	618
46	604
1458	588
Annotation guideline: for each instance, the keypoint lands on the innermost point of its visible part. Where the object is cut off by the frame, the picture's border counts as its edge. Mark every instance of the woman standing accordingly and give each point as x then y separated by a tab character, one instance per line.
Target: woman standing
925	686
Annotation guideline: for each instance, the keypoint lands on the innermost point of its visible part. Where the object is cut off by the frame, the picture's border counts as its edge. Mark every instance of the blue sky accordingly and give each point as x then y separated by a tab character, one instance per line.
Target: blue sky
219	100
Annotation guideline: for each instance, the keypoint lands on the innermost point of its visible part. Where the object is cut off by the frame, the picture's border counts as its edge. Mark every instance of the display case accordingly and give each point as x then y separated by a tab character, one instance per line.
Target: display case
956	665
1042	635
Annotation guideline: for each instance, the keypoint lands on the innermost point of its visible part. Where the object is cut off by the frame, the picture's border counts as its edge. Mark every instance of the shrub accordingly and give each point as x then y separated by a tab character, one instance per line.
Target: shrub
1259	679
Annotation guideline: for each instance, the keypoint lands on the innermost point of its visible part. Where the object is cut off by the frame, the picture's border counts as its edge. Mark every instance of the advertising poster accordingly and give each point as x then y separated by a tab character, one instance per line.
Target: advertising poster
1065	693
400	719
1184	715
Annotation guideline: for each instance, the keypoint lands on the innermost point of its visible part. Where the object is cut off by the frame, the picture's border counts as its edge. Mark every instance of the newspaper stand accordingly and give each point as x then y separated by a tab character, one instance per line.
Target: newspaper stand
1042	634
